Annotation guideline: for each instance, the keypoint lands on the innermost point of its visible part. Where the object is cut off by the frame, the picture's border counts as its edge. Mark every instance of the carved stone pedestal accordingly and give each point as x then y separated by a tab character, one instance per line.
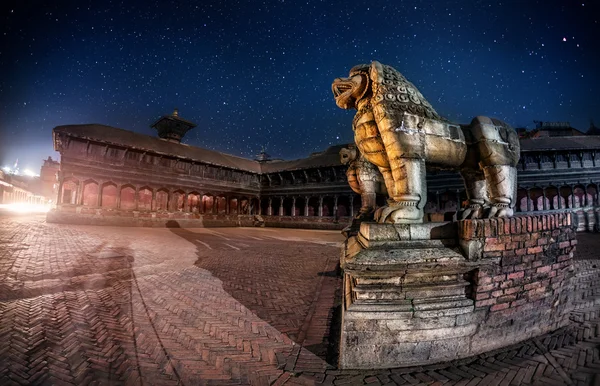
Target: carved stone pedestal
424	293
404	296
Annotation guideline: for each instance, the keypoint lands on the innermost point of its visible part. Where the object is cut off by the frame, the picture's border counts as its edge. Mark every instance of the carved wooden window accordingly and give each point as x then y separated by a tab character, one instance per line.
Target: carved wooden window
209	172
132	155
165	162
93	149
113	152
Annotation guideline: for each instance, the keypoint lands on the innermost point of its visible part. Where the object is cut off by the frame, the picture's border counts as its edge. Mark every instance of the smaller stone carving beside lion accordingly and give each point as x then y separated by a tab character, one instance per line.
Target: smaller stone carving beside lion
365	179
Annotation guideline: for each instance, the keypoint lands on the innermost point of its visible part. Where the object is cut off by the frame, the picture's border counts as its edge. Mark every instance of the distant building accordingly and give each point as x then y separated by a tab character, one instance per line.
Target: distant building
49	179
16	189
553	129
114	176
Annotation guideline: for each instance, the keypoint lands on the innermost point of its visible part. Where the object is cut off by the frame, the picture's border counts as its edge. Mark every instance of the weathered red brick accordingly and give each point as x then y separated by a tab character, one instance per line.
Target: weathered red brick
521	251
564	244
544	269
534	250
507	298
487	287
518	302
542	241
521	237
513	290
499	307
498	278
530	224
531	286
521	267
516	275
497	293
493	246
485	303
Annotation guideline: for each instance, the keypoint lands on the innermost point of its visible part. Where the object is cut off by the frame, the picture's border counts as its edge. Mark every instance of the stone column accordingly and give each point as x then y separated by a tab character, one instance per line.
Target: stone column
228	205
528	200
259	210
458	201
136	197
320	206
335	207
351	199
281	213
186	204
544	206
559	198
120	190
293	206
270	208
153	201
572	197
437	201
79	197
99	198
215	205
60	189
306	198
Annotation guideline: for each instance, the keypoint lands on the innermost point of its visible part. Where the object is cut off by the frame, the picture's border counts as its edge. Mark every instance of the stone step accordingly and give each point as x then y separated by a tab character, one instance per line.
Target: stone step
411	292
433	291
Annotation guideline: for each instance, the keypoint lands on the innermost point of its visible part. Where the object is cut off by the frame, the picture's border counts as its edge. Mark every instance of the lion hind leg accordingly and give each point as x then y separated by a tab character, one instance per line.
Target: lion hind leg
477	193
502	182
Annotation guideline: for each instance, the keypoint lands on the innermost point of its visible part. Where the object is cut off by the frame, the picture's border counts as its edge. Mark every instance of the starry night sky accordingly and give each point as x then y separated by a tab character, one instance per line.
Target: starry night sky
258	73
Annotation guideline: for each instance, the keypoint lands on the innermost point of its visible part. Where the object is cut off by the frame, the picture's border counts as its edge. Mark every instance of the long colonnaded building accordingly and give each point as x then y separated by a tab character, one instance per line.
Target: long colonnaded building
113	176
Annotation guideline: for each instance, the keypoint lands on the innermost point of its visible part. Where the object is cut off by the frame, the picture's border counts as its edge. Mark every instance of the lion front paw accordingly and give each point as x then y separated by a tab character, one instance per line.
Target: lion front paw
399	213
500	210
473	211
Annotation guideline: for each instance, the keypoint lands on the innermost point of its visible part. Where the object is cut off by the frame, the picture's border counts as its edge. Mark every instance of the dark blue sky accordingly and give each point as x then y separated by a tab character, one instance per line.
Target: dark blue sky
254	74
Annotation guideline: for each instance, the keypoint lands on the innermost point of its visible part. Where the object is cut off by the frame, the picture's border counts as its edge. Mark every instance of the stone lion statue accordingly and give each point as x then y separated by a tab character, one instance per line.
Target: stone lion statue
396	129
365	179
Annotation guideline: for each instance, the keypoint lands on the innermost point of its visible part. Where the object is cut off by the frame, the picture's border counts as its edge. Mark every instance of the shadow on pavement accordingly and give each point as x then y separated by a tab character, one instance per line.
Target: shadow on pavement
276	285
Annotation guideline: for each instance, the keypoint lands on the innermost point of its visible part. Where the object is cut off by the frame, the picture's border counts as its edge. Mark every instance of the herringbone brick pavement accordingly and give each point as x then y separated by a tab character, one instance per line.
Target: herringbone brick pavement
102	305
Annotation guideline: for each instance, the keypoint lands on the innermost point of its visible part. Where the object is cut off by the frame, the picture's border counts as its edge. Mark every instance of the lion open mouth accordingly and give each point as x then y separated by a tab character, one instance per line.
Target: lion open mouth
340	88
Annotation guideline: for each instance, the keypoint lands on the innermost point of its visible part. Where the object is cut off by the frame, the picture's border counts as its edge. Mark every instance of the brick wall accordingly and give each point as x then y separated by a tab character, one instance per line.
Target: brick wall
523	283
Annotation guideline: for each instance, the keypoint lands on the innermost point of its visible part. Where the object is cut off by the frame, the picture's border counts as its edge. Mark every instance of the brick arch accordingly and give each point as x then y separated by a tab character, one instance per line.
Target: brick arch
144	197
536	195
565	192
69	190
127	197
109	195
90	193
592	191
553	197
328	202
300	205
162	199
343	206
194	200
177	200
208	199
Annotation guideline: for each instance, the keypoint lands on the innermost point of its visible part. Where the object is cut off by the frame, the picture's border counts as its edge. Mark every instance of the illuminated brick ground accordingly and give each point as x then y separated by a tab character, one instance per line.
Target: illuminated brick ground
108	305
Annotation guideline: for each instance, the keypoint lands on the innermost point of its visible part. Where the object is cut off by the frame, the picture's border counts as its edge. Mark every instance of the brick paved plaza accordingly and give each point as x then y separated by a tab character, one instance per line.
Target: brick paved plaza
107	305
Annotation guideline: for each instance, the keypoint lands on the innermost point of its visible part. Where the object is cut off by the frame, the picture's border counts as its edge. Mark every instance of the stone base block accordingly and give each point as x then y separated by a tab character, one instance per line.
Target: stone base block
424	293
